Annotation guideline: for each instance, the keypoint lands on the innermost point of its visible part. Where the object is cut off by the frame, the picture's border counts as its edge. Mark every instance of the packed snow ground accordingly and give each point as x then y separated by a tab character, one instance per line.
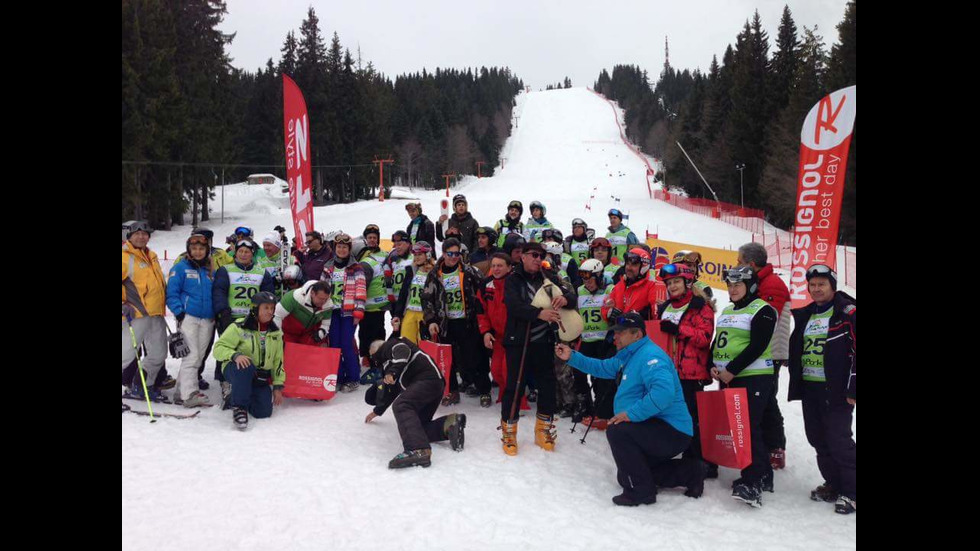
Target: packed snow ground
315	476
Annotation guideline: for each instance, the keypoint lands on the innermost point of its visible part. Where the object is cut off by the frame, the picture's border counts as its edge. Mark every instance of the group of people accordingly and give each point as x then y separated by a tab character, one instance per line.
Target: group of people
482	296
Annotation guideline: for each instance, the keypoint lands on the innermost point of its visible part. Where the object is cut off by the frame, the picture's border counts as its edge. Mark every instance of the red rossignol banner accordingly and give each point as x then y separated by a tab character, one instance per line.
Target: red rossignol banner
723	416
297	132
442	354
311	371
825	140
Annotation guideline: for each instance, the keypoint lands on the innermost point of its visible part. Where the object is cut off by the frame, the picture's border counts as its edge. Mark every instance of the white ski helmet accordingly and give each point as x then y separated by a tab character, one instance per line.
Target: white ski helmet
553	248
593	266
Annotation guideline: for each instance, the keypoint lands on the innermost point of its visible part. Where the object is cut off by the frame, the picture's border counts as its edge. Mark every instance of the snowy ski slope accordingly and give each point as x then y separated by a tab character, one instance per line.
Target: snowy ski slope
315	475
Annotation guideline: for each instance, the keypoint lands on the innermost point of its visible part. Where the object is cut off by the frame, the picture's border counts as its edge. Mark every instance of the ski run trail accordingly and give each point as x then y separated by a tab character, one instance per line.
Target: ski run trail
315	476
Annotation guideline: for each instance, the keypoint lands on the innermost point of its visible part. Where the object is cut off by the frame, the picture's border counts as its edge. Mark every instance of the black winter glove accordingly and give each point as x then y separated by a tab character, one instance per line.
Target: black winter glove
320	336
669	327
128	311
180	317
614	314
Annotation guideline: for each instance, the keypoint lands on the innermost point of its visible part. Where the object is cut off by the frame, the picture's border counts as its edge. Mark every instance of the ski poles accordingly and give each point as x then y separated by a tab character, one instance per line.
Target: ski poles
520	374
139	365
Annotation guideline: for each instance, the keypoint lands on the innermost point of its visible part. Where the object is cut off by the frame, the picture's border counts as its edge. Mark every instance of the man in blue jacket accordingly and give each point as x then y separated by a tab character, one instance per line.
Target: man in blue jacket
652	424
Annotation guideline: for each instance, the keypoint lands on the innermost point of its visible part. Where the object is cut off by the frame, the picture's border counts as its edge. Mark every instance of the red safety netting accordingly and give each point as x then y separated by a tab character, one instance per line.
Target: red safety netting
779	249
751	220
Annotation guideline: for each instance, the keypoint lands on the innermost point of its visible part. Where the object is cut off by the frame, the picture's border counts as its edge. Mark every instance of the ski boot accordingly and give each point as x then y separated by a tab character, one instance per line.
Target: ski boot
544	433
451	398
470	390
485	401
135	392
454	425
712	471
349	387
509	437
167	383
845	506
777	458
370	376
566	411
177	400
240	416
197	399
824	492
411	458
202	384
750	494
125	408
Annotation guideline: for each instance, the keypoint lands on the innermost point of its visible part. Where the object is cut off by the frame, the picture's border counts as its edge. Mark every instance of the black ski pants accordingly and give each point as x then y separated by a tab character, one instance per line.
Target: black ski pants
644	455
772	424
540	361
413	410
828	429
371	328
691	389
467	357
759	389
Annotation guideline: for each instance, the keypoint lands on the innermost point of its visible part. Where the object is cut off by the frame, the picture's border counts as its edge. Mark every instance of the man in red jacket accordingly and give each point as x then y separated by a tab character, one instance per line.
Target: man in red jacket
634	292
773	291
493	320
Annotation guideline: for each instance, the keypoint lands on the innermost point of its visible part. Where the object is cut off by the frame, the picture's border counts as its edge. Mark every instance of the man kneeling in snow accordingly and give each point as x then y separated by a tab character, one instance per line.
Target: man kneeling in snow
413	387
304	313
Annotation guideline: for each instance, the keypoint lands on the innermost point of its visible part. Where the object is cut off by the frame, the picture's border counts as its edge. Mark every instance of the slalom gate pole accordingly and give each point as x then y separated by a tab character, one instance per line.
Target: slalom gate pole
139	366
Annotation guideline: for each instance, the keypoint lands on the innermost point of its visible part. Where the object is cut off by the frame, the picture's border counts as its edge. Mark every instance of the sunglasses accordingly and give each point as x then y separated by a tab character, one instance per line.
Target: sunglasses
453	254
397	241
535	255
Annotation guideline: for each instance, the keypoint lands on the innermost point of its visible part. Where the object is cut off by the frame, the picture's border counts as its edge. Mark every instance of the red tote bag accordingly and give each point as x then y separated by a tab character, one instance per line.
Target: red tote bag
311	371
724	418
442	354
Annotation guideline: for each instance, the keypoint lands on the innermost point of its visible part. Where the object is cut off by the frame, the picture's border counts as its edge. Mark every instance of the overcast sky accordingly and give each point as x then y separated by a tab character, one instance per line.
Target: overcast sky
542	41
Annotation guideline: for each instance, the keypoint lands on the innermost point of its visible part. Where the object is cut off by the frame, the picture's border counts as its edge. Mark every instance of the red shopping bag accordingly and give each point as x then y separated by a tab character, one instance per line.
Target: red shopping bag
661	339
311	371
442	354
724	418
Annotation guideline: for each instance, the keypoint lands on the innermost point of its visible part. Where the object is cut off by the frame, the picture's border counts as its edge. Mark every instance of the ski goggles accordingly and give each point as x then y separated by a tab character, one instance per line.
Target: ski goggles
372	228
248	243
342	239
197	240
669	270
633	258
616	212
820	270
585	274
739	274
243	230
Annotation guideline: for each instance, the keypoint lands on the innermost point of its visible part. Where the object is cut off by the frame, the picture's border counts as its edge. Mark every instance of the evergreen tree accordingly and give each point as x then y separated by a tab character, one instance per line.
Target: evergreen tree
841	74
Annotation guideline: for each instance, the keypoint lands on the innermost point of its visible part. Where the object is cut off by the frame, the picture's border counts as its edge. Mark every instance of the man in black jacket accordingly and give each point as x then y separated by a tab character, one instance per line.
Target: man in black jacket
823	373
463	220
420	228
412	386
529	339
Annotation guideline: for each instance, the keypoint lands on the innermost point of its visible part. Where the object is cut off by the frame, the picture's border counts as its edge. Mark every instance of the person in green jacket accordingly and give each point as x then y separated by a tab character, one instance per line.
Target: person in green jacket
252	350
620	236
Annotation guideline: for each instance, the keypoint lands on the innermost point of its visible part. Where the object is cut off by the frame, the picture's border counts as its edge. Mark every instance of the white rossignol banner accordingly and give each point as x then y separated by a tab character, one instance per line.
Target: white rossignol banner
825	140
297	136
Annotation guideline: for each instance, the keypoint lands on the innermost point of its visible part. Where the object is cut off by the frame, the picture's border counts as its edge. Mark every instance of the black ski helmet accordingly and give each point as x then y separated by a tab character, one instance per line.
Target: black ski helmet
489	232
516	205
